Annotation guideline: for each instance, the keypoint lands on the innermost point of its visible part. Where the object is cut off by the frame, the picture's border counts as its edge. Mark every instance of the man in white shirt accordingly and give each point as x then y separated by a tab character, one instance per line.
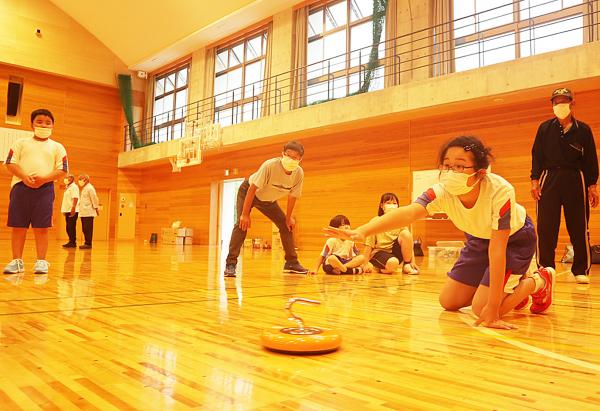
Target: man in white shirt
70	209
276	178
88	209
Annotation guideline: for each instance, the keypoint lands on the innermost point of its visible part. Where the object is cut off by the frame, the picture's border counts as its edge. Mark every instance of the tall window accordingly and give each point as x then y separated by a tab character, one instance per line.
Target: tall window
170	104
340	36
239	75
493	31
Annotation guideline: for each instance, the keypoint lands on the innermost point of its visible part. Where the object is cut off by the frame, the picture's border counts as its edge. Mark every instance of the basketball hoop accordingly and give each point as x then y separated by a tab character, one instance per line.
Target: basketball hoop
210	134
188	154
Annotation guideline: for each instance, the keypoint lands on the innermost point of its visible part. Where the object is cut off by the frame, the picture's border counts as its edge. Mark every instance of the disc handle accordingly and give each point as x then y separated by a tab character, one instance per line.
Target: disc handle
294	317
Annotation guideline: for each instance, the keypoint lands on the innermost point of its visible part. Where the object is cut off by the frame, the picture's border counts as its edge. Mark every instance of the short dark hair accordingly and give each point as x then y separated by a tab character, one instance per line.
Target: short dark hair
482	155
295	146
386	197
41	112
338	221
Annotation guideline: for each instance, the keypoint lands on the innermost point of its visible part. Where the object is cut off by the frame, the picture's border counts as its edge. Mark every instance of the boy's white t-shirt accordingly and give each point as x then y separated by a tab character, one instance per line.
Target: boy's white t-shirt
37	156
495	209
273	183
342	248
88	201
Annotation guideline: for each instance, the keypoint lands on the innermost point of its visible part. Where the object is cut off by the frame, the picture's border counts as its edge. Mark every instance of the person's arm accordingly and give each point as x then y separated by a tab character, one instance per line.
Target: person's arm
399	217
17	171
95	201
290	222
245	215
490	314
74	206
537	155
317	265
54	175
590	172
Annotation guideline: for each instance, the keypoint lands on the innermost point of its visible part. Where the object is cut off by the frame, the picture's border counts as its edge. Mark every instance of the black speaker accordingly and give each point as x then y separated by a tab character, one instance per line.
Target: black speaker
13	100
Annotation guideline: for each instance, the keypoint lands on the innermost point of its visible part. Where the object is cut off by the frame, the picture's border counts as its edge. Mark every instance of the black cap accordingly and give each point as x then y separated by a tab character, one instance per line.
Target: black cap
562	92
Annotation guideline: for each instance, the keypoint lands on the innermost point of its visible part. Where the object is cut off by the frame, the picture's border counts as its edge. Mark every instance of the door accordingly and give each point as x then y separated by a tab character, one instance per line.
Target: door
228	198
126	216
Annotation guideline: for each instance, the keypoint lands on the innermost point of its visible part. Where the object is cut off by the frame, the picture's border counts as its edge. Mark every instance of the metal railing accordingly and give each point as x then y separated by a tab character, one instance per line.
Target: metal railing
345	75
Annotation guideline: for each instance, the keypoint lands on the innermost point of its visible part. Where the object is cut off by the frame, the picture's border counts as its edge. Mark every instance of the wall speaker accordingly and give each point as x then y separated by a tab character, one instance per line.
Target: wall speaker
13	99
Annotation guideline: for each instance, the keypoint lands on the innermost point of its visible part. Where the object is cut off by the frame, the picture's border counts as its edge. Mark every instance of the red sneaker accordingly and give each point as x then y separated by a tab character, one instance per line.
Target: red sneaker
522	304
543	298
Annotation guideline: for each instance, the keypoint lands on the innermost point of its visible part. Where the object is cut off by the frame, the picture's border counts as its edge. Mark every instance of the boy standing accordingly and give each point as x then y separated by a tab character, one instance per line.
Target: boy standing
274	179
34	163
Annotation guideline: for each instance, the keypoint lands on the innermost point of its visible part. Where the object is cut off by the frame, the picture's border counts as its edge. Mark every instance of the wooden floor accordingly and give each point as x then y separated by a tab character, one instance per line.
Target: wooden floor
134	327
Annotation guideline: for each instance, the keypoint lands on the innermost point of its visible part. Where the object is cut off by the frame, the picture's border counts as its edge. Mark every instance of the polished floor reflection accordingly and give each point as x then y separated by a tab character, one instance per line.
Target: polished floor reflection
138	327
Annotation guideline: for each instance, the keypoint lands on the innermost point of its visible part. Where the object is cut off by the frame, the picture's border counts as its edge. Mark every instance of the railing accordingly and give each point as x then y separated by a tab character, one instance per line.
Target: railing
431	51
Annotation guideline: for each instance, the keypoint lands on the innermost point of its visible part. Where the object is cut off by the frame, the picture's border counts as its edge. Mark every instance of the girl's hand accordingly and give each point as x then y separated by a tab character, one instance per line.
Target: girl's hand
490	318
353	235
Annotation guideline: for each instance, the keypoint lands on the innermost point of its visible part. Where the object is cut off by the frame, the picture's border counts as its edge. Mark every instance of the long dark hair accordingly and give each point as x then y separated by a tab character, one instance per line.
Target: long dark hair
386	197
481	154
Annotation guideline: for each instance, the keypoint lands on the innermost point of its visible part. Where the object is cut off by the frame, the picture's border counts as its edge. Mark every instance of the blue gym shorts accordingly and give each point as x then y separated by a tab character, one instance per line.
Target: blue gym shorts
31	206
473	265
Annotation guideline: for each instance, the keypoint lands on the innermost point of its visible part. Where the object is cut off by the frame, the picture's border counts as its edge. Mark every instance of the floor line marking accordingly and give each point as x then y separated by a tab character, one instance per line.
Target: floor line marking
509	340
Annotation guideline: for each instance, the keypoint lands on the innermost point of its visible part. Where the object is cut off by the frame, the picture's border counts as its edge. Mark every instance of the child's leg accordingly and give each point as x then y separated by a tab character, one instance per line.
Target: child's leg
391	266
18	241
405	239
41	242
335	262
456	295
356	261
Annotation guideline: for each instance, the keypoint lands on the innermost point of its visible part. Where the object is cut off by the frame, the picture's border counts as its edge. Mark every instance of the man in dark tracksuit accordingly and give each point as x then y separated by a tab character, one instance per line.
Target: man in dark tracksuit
564	171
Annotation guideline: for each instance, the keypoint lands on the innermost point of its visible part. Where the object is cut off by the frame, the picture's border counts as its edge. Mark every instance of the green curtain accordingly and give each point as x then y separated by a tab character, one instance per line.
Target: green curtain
379	10
126	93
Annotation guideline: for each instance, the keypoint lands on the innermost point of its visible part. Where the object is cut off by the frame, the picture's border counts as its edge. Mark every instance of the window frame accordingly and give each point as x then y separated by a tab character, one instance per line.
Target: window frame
173	122
348	69
236	106
516	27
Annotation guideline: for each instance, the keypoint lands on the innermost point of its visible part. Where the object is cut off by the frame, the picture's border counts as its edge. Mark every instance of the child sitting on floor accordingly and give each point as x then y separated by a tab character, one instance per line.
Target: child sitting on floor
340	256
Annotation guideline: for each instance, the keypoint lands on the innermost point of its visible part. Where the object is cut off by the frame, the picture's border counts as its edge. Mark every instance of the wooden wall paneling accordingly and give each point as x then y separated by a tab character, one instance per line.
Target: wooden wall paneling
88	123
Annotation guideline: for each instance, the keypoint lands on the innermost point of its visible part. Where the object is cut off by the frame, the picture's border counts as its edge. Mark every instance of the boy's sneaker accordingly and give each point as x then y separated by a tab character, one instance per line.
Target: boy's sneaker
14	267
229	270
543	298
41	267
69	245
582	279
408	269
294	268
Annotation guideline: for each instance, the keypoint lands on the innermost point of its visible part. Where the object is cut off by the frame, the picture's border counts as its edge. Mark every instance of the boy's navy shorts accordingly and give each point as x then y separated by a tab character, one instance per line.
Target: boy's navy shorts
31	206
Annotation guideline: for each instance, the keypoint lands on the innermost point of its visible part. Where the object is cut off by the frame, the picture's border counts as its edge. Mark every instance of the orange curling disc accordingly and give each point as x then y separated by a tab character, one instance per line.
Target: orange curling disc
306	340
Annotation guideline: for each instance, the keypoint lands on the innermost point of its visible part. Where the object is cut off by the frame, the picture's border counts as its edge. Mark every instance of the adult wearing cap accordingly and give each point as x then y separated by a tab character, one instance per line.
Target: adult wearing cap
564	171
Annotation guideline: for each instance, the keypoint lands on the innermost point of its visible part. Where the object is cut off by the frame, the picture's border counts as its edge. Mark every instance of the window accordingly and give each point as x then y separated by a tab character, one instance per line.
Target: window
492	31
170	104
340	38
239	75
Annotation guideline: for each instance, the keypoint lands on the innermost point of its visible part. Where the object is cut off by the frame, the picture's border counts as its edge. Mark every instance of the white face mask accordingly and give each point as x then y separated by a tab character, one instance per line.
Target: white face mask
81	183
42	132
389	207
289	163
562	110
456	183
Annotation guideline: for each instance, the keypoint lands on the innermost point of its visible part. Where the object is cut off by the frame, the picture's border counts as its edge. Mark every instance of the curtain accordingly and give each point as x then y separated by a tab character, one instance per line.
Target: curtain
392	68
298	74
146	129
269	98
442	37
126	94
207	105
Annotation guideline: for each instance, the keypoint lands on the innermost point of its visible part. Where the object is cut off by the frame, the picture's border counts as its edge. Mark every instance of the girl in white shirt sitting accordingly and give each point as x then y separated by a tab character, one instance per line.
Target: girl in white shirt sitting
491	272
